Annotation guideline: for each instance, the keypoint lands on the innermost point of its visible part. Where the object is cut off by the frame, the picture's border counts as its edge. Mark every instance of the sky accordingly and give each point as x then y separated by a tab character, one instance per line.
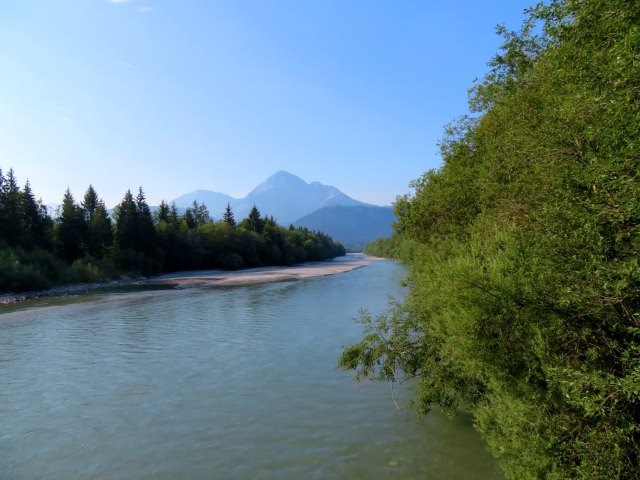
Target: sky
179	95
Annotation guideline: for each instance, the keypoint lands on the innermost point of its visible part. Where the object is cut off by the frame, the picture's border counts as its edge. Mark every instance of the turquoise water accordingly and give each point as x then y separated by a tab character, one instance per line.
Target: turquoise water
236	383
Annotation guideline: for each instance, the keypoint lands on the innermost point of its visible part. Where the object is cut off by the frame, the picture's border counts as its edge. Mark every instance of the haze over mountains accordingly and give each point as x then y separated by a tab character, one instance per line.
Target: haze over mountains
283	195
353	226
291	200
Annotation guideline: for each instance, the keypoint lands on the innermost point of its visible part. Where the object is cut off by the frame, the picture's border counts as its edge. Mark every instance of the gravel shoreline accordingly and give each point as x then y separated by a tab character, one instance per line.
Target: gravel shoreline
67	290
191	279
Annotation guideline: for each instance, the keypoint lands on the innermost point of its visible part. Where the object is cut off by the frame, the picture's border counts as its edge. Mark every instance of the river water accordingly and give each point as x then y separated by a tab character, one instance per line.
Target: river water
236	383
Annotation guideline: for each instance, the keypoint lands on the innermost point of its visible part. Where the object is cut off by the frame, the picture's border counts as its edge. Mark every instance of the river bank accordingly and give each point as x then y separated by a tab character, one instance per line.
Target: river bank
199	278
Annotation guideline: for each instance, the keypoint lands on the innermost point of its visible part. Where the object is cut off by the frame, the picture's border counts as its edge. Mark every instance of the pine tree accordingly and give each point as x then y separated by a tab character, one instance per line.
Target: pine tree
33	220
70	229
126	217
173	215
90	203
145	241
196	215
162	215
228	217
10	214
99	229
255	220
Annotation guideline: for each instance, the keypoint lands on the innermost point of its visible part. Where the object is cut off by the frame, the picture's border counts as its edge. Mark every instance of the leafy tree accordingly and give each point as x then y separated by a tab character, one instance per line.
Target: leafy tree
524	288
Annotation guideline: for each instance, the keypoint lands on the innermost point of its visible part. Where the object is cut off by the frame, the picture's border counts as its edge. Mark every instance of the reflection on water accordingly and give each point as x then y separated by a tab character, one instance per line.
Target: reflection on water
215	383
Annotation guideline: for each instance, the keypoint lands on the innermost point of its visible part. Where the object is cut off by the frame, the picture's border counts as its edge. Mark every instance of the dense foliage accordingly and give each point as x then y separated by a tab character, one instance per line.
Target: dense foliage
524	303
395	247
83	244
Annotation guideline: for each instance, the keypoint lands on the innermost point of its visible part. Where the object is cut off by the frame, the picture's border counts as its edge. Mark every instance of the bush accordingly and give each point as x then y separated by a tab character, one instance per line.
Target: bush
20	271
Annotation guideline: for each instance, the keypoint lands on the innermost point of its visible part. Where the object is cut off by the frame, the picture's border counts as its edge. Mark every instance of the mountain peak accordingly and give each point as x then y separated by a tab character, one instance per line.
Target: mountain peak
280	179
283	195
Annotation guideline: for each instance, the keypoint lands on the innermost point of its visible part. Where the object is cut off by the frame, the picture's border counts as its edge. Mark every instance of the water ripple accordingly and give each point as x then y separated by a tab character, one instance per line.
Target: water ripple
226	383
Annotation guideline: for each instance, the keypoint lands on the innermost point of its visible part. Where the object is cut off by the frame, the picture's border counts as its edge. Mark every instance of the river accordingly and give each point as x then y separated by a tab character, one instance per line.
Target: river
229	383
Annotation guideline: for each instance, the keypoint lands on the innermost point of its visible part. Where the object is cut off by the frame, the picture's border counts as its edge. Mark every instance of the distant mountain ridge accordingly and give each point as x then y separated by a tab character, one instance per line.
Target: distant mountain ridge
283	195
353	226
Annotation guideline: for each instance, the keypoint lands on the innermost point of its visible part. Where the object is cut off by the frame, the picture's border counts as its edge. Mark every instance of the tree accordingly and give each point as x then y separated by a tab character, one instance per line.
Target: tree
173	215
228	216
35	220
11	229
255	220
126	226
196	215
90	203
99	237
162	215
145	241
70	229
100	232
524	289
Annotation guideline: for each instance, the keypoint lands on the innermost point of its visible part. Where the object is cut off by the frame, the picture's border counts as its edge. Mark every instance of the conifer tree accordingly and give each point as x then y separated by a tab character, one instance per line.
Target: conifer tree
145	241
228	217
197	214
10	218
162	215
33	219
90	203
70	229
99	229
256	223
173	215
126	217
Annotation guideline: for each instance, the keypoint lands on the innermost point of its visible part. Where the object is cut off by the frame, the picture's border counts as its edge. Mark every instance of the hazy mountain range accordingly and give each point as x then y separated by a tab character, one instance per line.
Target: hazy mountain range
354	226
283	195
291	200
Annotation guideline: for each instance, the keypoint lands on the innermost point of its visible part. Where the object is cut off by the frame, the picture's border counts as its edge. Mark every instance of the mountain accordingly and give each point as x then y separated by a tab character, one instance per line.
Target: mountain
354	226
215	201
283	195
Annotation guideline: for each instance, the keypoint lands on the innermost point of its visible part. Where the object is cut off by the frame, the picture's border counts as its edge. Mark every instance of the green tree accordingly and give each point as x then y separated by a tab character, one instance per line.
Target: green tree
70	229
126	223
145	235
90	203
524	288
135	234
35	221
228	216
99	237
255	221
162	215
11	230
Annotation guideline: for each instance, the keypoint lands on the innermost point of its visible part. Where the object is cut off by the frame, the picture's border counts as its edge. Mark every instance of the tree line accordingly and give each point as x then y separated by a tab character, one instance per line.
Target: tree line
524	293
82	242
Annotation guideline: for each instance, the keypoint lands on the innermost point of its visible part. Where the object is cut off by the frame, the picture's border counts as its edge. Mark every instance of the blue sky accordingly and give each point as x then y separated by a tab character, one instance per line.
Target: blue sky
184	94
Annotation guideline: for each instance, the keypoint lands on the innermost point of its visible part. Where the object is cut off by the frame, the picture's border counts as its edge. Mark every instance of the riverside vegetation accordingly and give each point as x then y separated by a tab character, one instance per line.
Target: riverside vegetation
83	244
524	291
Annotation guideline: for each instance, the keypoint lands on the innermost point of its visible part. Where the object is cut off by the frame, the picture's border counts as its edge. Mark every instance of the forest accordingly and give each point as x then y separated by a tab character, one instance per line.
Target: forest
523	304
82	242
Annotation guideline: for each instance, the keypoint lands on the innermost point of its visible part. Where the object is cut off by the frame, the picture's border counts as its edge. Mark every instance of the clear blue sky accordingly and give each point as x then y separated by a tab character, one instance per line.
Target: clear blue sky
195	94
